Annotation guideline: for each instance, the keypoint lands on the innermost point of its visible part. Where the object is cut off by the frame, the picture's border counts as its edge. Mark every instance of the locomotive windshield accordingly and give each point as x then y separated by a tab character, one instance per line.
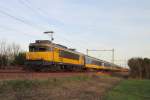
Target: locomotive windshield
38	48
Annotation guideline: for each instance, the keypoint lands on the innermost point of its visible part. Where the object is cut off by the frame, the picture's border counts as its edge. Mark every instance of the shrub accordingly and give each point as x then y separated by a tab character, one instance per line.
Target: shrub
3	60
19	59
139	68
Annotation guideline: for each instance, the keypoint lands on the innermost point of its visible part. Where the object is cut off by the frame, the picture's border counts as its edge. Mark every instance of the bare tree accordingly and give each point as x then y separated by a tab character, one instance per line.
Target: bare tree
15	49
8	51
3	47
3	52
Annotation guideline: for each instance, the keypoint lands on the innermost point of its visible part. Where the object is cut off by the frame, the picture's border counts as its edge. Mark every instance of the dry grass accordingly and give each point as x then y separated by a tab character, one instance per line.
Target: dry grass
72	88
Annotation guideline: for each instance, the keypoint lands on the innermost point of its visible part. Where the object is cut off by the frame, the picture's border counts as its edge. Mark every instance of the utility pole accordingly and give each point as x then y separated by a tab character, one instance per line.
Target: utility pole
112	50
51	35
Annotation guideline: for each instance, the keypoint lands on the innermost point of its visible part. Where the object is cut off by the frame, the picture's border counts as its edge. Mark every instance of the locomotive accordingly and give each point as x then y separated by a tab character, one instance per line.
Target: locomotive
44	55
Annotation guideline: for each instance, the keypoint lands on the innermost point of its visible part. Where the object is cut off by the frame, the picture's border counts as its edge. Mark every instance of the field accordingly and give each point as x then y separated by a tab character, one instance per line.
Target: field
21	85
67	88
130	90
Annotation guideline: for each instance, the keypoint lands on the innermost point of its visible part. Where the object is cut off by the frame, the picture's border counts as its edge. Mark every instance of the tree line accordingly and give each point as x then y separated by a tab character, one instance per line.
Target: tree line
139	68
11	54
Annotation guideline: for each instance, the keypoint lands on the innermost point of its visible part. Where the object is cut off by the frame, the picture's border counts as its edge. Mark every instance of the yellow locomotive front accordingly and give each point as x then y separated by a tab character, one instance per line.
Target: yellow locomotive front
37	52
44	55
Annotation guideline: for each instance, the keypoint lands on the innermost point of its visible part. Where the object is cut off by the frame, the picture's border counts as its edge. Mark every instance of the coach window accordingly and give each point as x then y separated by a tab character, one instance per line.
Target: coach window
103	64
39	48
50	49
68	55
32	48
100	64
42	49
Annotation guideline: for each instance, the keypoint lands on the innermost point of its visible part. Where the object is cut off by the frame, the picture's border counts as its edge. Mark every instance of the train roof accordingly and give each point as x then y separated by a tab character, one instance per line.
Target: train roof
49	43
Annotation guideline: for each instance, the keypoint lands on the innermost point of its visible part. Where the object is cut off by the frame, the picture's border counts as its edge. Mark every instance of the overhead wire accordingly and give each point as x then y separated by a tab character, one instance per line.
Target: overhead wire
70	42
27	3
22	20
12	29
37	9
29	23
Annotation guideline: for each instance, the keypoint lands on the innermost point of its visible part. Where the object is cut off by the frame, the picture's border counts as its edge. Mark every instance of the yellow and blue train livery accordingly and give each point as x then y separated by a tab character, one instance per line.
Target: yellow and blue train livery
44	55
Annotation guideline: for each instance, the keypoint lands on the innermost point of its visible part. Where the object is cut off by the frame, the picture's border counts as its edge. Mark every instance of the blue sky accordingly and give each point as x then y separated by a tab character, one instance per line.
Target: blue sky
81	24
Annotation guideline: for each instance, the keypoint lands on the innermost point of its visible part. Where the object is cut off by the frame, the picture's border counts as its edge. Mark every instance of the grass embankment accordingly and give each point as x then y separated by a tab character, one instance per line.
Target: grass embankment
71	88
130	90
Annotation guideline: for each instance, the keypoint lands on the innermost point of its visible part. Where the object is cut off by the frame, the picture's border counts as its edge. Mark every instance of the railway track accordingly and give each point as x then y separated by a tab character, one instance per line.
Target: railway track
12	74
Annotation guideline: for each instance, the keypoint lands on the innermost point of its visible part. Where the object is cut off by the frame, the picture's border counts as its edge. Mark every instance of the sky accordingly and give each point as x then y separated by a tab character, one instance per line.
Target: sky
82	24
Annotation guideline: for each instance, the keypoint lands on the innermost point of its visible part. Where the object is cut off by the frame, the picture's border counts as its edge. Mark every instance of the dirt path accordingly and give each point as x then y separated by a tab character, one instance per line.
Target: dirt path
18	73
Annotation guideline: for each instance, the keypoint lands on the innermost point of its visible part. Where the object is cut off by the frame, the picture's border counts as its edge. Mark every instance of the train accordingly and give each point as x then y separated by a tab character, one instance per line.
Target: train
44	55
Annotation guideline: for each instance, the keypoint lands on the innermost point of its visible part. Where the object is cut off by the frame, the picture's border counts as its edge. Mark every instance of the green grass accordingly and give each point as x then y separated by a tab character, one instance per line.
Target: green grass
130	90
